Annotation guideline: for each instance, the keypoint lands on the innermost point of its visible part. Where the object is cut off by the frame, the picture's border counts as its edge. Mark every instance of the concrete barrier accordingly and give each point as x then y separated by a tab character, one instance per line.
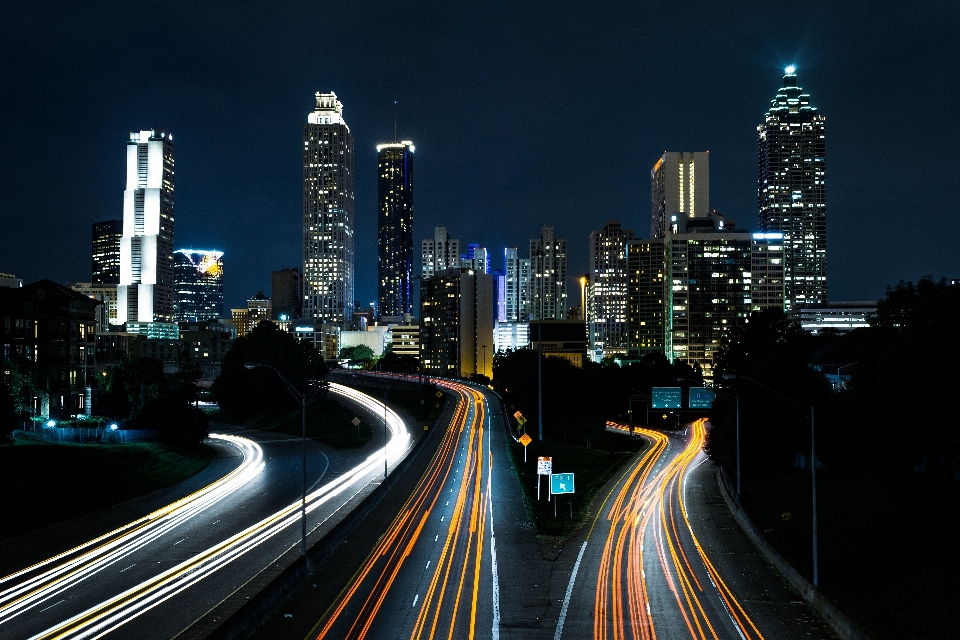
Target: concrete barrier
841	625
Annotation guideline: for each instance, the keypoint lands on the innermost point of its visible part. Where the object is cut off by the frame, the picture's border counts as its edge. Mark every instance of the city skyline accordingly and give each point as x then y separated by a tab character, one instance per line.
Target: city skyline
500	192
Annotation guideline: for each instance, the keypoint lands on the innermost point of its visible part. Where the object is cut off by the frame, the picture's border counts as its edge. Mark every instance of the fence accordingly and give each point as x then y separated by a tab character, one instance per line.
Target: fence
89	434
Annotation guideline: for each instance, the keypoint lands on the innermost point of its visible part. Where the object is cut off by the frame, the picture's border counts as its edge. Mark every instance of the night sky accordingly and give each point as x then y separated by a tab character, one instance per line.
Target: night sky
522	116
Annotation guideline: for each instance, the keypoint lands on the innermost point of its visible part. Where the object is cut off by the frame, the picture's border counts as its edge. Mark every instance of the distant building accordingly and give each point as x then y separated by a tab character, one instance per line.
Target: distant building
511	336
324	337
512	286
839	317
328	221
476	258
202	343
286	293
547	287
606	303
105	252
405	338
10	280
792	190
199	285
560	339
679	186
106	295
374	337
395	228
443	252
145	293
646	296
456	324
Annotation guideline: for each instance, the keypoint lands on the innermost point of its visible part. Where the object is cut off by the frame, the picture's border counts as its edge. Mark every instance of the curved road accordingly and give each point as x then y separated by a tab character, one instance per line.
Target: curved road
142	579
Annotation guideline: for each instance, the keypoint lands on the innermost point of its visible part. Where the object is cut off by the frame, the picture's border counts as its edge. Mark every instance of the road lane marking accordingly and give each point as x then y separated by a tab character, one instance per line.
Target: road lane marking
130	567
415	598
566	598
53	605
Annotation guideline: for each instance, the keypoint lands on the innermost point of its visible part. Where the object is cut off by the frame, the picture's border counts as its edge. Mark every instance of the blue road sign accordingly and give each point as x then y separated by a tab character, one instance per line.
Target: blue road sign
561	483
701	398
666	397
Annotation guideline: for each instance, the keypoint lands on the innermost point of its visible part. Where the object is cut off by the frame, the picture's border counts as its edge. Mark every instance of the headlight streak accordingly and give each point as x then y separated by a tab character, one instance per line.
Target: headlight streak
440	613
87	559
644	501
121	609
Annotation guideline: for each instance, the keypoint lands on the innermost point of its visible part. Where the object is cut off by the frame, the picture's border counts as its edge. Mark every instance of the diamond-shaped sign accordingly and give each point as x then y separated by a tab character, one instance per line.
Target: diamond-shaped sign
522	420
439	394
355	422
525	439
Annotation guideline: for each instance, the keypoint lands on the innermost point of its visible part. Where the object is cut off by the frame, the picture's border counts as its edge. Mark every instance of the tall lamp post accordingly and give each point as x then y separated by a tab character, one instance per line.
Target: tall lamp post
813	462
304	398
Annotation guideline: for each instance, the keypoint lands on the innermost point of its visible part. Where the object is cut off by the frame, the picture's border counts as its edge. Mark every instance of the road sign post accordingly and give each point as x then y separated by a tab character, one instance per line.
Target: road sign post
666	397
525	440
562	483
544	468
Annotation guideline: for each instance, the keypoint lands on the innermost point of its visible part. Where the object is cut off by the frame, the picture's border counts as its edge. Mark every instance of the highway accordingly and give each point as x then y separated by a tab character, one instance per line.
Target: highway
150	578
641	571
433	574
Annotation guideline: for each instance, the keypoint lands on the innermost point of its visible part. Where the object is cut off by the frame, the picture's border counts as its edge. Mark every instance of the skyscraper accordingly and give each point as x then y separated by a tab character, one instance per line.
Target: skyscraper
548	277
395	228
327	213
792	190
443	252
512	288
679	184
286	293
607	300
476	258
145	293
199	288
105	253
456	327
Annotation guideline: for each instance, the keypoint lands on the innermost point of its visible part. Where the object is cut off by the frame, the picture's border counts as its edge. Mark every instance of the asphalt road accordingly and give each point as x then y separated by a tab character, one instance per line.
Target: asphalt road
153	580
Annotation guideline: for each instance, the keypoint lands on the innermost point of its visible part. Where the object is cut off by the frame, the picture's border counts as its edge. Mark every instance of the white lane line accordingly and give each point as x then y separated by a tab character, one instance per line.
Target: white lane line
415	598
53	605
130	567
566	598
428	564
177	542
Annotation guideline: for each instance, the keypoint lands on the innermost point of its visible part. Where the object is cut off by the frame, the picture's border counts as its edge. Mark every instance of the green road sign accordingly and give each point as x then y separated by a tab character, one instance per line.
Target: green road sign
667	397
561	483
701	398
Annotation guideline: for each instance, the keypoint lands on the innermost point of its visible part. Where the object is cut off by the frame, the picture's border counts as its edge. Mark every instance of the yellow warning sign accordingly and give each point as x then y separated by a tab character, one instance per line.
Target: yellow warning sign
525	439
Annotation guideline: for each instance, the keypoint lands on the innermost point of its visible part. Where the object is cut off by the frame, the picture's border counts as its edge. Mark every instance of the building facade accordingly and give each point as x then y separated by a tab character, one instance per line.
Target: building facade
476	258
286	293
443	252
395	228
145	292
547	286
199	285
646	297
606	294
106	295
105	252
511	285
792	190
679	185
456	324
328	220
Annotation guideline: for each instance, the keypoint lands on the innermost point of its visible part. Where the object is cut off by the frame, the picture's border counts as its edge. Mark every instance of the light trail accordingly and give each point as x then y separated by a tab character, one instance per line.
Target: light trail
649	503
448	605
118	610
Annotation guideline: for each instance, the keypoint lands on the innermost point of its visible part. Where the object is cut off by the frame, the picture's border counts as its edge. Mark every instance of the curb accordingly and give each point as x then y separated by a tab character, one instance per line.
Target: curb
840	624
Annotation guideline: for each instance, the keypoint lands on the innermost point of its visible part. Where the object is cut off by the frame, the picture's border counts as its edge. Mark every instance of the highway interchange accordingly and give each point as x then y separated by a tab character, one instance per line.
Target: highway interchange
637	570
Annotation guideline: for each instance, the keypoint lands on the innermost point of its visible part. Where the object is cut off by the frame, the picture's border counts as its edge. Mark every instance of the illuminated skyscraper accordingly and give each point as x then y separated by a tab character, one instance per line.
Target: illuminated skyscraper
327	213
395	228
199	289
145	294
548	277
679	185
607	300
105	263
792	191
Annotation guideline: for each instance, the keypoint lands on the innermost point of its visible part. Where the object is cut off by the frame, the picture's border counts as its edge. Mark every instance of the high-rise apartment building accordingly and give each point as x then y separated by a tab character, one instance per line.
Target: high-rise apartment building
443	252
456	325
328	223
476	258
511	285
395	228
105	253
199	285
646	296
606	304
286	293
792	190
145	292
679	186
548	277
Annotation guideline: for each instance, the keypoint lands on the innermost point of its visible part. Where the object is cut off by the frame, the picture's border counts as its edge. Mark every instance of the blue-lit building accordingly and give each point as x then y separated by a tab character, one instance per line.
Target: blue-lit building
395	228
199	285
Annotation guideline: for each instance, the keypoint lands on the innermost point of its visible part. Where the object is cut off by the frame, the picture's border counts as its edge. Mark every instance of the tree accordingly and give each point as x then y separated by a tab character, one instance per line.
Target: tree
357	353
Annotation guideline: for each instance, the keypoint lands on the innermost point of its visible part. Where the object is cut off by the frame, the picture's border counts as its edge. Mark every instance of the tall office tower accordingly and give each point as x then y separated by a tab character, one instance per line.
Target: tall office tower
456	326
106	252
646	297
199	285
523	290
443	252
792	191
327	213
548	277
286	293
145	292
606	305
476	258
511	285
679	185
395	224
766	270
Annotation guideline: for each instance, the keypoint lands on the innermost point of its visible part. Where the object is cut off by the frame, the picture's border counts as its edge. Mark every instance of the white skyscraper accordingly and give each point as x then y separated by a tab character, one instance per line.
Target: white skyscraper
443	252
548	277
679	184
327	213
145	292
607	300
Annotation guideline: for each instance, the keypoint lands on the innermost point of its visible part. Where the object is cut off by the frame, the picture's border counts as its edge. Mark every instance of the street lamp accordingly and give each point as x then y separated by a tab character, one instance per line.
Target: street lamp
304	398
813	463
